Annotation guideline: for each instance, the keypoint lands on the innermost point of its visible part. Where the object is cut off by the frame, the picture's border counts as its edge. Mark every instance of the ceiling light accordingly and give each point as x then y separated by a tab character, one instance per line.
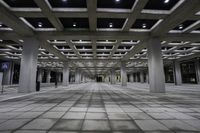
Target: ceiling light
117	0
144	26
21	40
39	24
64	0
74	24
166	1
110	25
180	27
1	40
1	25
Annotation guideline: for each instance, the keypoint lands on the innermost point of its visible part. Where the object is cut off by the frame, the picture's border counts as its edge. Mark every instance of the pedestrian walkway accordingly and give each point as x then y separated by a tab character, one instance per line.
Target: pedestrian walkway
99	108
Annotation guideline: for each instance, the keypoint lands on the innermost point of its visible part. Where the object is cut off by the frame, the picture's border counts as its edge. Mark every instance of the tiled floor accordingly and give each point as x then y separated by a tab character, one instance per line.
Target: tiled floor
99	108
10	91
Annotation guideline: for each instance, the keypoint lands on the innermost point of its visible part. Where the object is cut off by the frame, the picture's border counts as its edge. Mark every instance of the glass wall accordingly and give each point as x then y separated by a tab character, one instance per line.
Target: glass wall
188	72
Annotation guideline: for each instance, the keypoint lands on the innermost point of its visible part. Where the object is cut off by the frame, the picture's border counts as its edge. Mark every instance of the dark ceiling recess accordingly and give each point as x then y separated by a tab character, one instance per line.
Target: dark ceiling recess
161	4
68	3
21	3
107	22
39	22
3	25
124	47
198	29
104	47
85	47
121	4
144	23
128	41
62	47
184	25
8	42
75	22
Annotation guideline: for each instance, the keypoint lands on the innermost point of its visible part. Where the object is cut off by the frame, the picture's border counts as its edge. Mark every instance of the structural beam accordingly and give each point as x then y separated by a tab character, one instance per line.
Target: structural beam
14	22
92	6
49	14
137	8
188	8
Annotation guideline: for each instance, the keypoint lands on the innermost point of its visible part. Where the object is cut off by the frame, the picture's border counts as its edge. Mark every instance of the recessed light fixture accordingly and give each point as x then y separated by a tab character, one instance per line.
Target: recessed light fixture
74	24
39	24
144	26
117	0
166	1
21	40
180	27
64	0
110	25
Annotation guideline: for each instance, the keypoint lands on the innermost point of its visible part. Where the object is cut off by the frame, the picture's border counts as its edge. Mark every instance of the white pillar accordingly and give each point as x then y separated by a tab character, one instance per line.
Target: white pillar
40	73
112	76
197	67
177	73
12	73
48	78
107	79
123	74
83	76
28	68
136	77
131	77
142	77
77	76
59	77
155	66
147	78
65	74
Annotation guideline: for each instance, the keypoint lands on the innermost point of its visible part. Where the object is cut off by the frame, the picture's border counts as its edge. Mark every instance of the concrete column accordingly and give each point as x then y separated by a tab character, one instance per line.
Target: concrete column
84	78
177	73
155	66
40	73
136	77
12	73
65	74
107	79
147	78
80	77
7	74
123	74
28	68
131	77
112	76
142	77
197	67
60	77
77	76
48	78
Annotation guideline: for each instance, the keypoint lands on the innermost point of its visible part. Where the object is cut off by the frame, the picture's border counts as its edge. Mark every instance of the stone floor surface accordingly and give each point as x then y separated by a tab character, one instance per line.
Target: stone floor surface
104	108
